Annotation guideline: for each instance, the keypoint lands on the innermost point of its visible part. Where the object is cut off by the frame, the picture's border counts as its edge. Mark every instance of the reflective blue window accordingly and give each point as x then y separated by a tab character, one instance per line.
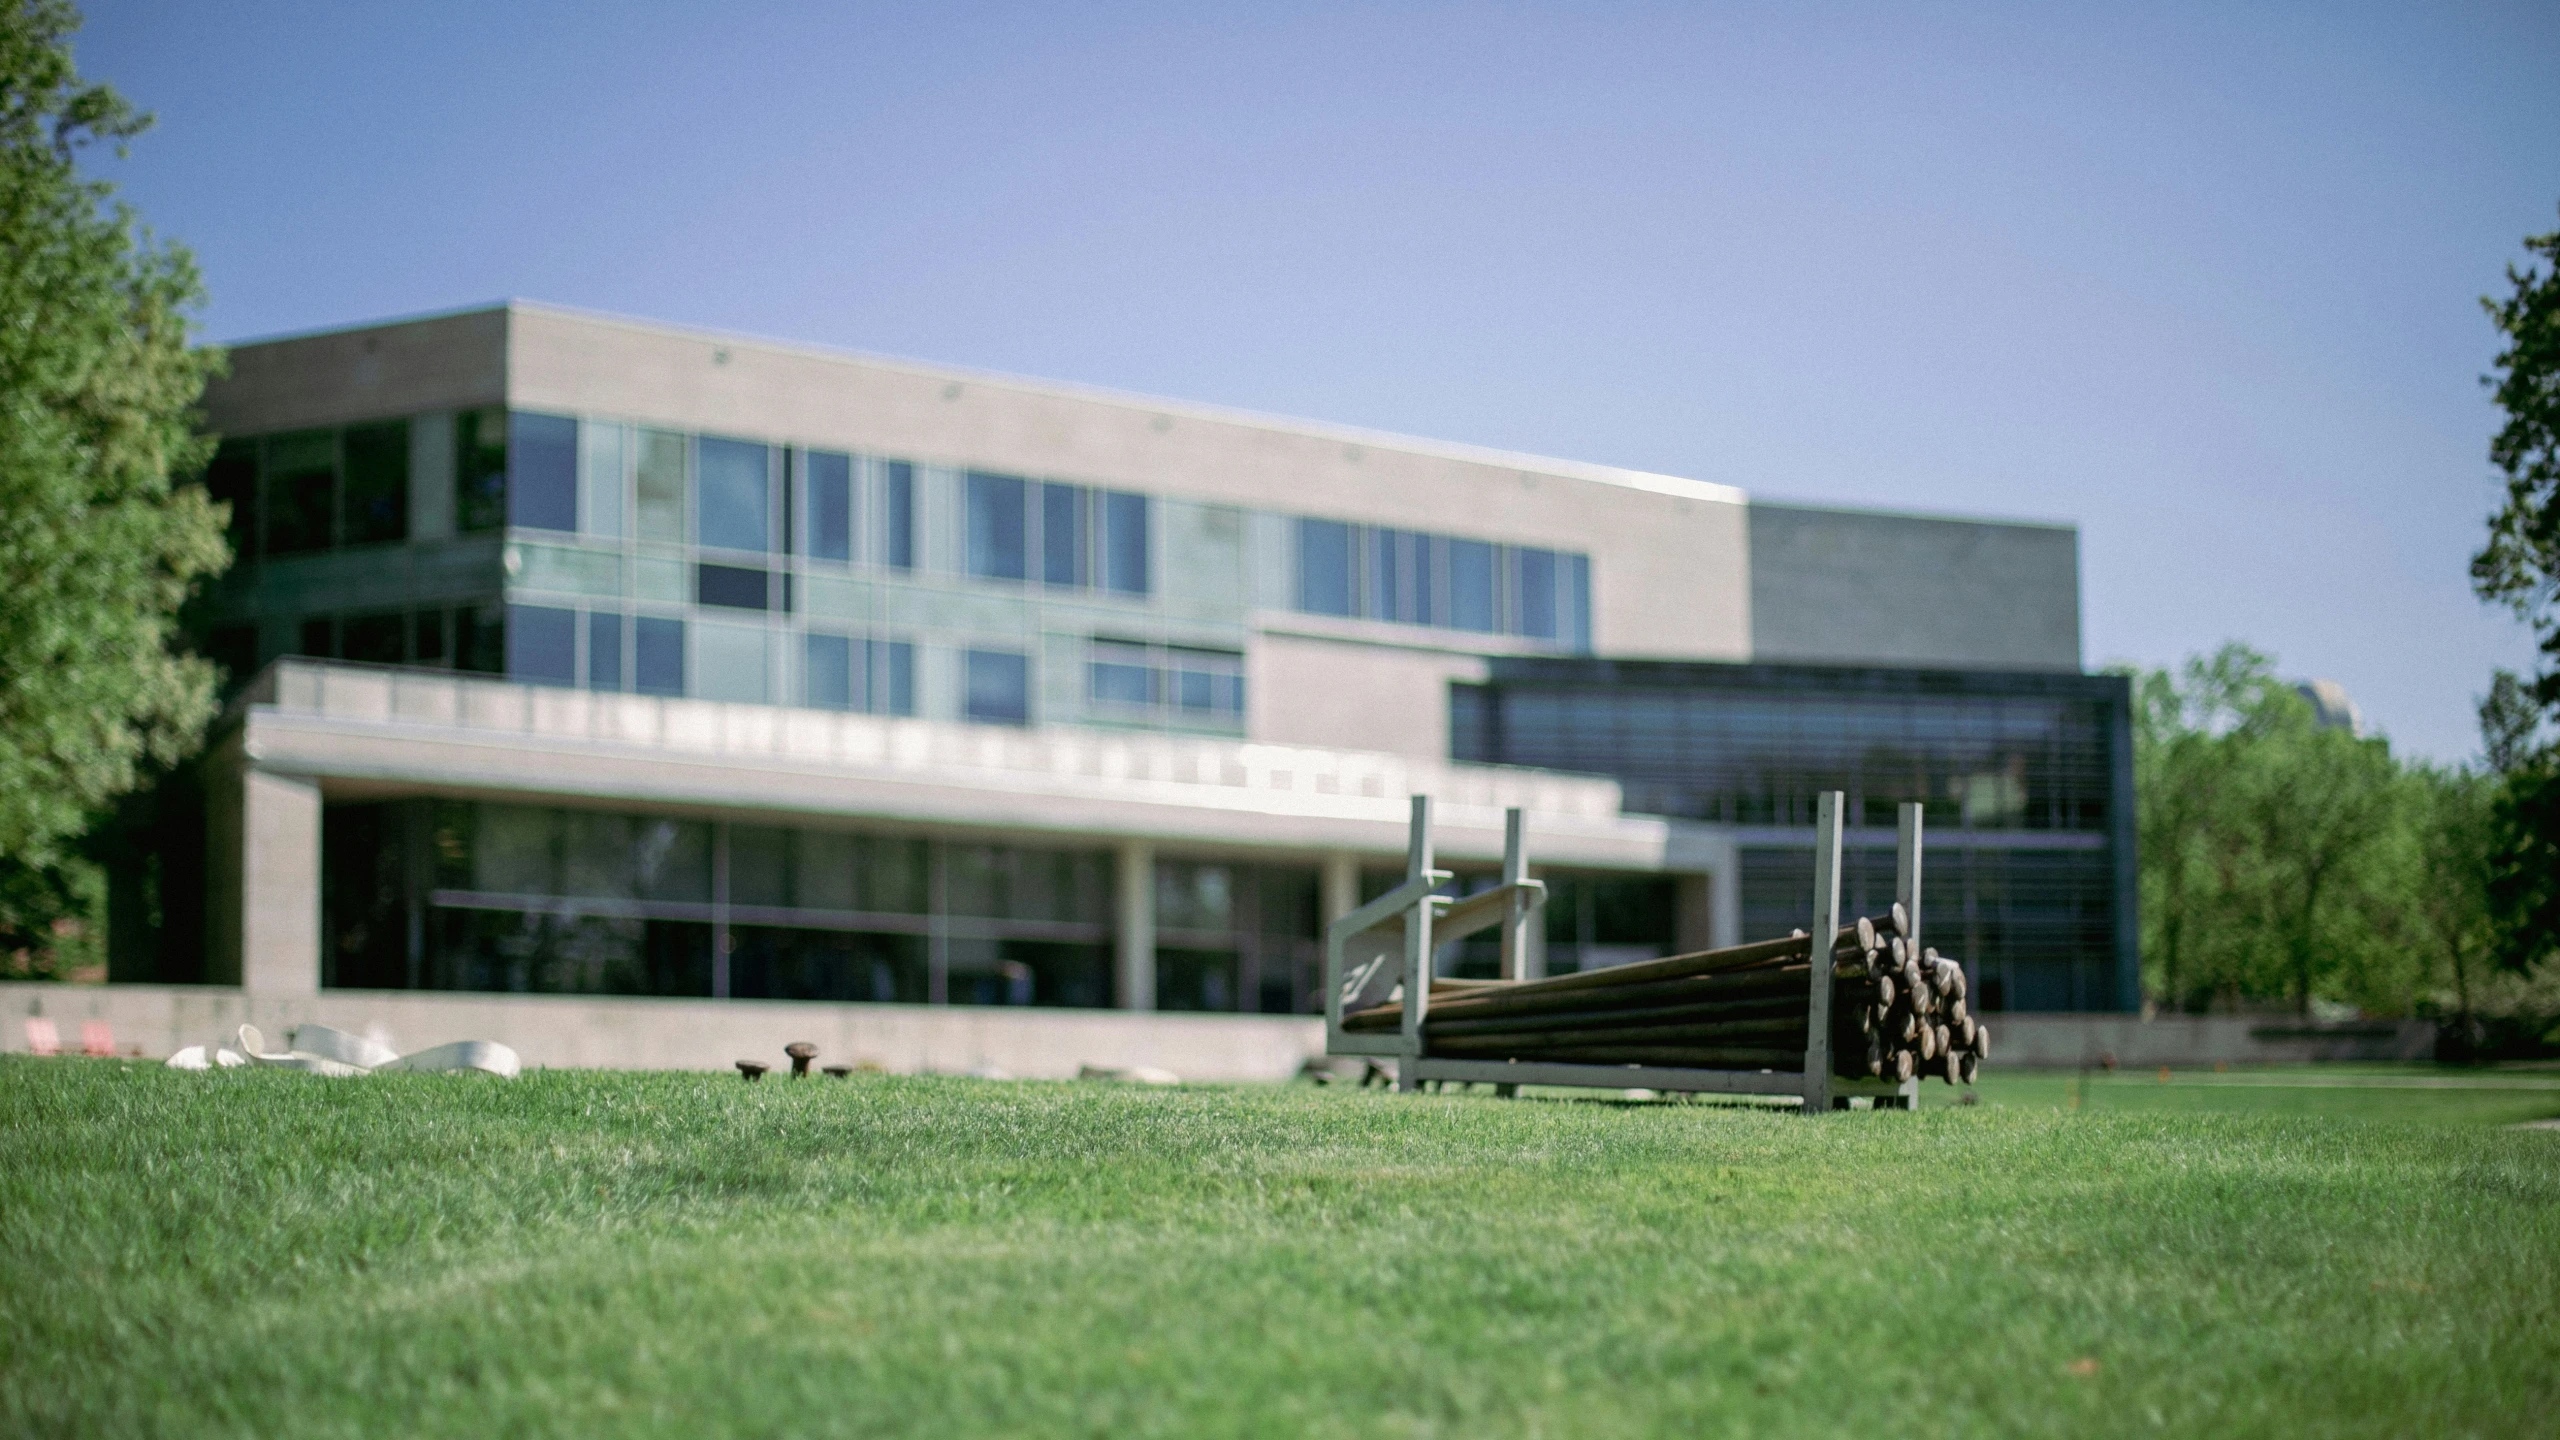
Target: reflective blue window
542	645
1577	601
542	471
604	650
830	489
1124	542
996	539
893	677
1472	598
1062	536
898	515
999	687
1122	675
1535	594
1324	567
831	677
657	656
734	586
733	486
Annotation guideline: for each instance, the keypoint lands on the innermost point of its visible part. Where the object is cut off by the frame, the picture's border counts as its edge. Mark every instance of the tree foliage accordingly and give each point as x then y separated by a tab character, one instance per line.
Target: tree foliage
2520	566
98	382
2282	859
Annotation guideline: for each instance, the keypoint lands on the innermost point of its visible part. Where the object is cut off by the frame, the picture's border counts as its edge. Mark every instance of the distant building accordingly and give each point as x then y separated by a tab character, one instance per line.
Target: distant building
599	657
2332	706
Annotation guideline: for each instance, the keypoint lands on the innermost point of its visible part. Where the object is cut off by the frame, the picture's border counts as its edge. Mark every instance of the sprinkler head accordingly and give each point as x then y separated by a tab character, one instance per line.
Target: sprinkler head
801	1053
753	1069
839	1071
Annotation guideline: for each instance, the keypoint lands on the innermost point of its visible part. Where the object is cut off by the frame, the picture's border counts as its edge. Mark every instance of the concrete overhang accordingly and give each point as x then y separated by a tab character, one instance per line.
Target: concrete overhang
365	730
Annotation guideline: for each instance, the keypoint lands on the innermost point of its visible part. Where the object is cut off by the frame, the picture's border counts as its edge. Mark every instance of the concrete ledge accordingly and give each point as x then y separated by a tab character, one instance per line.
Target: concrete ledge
630	1033
2053	1041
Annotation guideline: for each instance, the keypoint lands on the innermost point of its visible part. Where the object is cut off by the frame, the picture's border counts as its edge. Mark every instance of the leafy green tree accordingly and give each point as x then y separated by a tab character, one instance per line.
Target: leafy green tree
98	545
2272	847
2520	568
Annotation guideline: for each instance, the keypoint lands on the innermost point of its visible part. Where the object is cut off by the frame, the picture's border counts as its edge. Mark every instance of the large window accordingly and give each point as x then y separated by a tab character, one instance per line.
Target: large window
1083	538
734	487
998	529
542	472
828	482
844	672
1413	578
997	686
2017	775
1138	680
898	515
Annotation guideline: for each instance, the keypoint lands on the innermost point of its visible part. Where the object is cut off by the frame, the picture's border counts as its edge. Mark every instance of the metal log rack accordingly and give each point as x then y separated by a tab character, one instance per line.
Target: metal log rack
1388	944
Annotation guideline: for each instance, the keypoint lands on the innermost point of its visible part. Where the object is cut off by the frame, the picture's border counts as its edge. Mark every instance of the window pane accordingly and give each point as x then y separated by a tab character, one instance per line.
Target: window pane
735	483
232	479
542	471
661	468
671	859
999	686
729	664
1536	592
515	850
1324	567
1577	601
893	685
382	639
600	485
1386	575
1194	690
830	673
318	638
426	636
1471	594
898	520
830	484
542	645
377	496
604	650
1124	542
479	470
480	639
302	492
657	656
1122	675
996	526
1062	546
732	585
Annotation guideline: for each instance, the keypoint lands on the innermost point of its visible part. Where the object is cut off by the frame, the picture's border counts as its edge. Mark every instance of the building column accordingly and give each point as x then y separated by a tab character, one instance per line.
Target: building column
1533	941
1694	914
262	901
1338	885
1135	934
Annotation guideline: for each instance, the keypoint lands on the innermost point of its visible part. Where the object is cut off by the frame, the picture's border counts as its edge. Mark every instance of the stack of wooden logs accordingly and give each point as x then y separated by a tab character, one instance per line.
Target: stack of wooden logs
1896	1011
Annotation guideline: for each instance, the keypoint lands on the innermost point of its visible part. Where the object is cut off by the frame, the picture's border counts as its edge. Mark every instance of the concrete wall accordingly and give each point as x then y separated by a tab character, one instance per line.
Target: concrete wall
652	1034
1844	586
2050	1041
1349	696
450	362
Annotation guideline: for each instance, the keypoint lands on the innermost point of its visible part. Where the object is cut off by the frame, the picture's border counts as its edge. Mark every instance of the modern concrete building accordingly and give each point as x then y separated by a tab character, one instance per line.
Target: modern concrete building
598	658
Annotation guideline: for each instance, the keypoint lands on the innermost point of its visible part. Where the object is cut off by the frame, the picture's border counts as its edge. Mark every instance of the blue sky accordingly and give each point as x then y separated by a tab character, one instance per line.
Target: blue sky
2201	280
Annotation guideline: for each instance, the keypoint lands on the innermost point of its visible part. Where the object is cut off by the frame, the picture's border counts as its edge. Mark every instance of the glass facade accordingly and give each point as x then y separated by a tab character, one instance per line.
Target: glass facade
630	558
466	895
1374	573
2026	779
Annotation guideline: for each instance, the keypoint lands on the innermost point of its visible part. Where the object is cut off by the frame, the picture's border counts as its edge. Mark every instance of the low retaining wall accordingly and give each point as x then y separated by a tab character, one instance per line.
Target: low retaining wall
2070	1041
625	1033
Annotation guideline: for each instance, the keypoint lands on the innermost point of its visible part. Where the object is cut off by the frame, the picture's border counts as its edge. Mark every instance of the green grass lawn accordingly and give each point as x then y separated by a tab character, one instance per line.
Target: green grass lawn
587	1253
